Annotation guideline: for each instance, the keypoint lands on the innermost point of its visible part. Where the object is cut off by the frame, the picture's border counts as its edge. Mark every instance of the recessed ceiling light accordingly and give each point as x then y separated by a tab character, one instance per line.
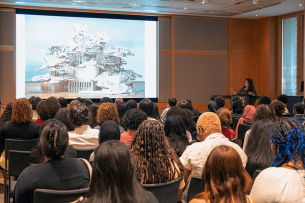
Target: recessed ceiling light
300	5
255	15
184	7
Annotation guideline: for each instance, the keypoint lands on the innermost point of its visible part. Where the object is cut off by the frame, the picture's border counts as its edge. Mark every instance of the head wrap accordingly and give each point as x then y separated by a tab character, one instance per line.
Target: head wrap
247	117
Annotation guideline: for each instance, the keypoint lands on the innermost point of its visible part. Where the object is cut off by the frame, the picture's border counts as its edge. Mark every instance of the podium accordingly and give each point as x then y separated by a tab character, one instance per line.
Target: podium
245	99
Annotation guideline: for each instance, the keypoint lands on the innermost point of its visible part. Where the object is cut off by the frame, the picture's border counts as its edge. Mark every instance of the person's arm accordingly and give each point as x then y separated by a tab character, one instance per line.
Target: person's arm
23	192
186	175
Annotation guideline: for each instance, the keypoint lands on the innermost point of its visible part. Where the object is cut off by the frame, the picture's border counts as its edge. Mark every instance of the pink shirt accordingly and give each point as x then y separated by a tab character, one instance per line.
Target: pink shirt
127	137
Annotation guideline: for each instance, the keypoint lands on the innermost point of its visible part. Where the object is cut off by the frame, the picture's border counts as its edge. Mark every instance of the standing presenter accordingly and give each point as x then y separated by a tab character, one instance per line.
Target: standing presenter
248	89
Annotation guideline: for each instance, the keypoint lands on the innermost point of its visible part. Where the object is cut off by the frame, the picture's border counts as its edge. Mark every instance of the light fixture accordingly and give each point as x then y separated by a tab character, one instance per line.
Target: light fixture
300	5
255	2
184	7
255	15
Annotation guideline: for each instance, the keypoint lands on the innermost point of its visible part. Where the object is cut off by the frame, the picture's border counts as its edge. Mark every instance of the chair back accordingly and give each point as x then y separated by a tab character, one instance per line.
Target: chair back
194	188
234	140
195	136
242	129
84	153
196	118
235	121
165	192
58	196
19	160
256	174
20	145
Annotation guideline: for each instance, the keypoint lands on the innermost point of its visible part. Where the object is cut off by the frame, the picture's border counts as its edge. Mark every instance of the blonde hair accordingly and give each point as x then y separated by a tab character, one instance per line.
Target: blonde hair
207	122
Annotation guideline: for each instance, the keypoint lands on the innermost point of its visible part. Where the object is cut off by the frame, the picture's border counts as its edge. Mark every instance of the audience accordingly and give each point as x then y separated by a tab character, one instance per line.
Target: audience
63	102
279	108
225	118
246	118
57	172
105	100
156	114
132	104
262	112
122	108
92	122
74	102
223	181
284	98
175	132
284	181
258	150
83	137
114	177
212	107
171	102
155	160
34	101
47	109
185	105
118	100
195	111
237	109
131	122
298	111
106	112
88	103
264	100
63	115
79	99
7	115
147	106
220	102
195	156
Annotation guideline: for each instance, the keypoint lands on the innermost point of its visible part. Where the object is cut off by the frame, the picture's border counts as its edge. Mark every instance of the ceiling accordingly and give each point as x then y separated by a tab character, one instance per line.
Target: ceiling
212	8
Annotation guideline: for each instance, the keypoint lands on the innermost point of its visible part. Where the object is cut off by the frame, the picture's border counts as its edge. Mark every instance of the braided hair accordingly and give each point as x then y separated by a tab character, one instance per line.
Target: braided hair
288	137
155	160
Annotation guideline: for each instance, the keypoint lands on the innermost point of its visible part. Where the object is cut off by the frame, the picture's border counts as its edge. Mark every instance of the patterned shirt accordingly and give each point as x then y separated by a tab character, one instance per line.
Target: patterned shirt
195	156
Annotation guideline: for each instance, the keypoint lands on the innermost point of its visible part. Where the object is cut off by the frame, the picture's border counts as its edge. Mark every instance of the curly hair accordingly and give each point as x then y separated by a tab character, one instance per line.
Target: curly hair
133	118
63	115
7	115
283	98
208	121
220	101
225	117
185	114
212	98
106	112
92	122
47	109
34	101
264	111
278	107
185	105
74	102
22	111
79	115
155	160
288	137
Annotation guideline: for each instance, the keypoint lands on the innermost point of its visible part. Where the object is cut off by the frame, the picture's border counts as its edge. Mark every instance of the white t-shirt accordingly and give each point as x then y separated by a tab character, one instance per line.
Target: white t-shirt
280	185
84	137
195	156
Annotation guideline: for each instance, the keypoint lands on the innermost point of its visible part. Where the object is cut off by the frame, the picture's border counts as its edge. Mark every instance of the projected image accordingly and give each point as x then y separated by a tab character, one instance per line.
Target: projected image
93	58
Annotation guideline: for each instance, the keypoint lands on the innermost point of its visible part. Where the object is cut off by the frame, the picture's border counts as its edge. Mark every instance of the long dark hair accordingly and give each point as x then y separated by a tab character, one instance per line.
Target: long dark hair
258	148
92	122
156	114
7	115
175	132
251	85
230	182
114	177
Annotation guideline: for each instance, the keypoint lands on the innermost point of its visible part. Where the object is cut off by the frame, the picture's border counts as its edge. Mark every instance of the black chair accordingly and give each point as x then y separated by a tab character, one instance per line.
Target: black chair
58	196
196	119
256	174
165	192
242	129
195	136
235	121
20	145
194	188
84	153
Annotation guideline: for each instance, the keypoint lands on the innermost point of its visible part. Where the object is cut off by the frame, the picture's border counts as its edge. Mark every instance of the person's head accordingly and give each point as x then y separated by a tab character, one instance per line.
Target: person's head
175	132
224	178
132	104
249	84
186	115
220	101
92	122
87	102
278	107
264	100
264	111
288	138
7	114
114	176
63	115
105	100
156	114
106	112
34	101
237	107
74	102
283	98
79	99
212	98
133	118
208	123
150	148
185	105
79	115
212	107
190	102
147	106
248	113
54	139
172	101
122	108
22	111
109	131
47	109
225	117
63	102
298	108
118	100
258	148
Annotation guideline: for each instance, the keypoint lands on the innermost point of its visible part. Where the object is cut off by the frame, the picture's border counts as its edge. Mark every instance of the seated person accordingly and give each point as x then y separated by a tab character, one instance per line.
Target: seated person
284	98
132	104
264	100
195	156
170	103
34	101
246	118
147	106
57	172
93	115
155	114
83	137
225	118
63	115
7	115
47	109
223	181
279	108
284	182
298	111
131	121
195	111
105	100
108	111
220	102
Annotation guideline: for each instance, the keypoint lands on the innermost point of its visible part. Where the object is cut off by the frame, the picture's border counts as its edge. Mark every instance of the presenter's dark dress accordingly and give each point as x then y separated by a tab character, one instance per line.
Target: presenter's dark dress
246	92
